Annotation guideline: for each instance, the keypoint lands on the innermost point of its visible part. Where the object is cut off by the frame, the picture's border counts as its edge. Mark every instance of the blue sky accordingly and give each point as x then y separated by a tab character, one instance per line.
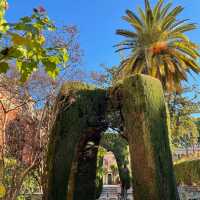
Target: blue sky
97	21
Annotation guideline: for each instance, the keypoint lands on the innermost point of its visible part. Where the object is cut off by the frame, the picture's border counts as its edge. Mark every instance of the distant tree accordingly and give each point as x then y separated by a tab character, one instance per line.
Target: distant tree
182	105
185	135
106	78
197	122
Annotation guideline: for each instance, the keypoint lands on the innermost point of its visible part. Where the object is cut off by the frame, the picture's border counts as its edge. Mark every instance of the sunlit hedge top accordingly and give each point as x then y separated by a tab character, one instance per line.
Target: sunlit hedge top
188	172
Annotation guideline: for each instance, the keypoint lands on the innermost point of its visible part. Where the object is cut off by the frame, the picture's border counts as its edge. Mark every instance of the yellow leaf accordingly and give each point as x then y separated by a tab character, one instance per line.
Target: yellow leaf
18	40
41	39
2	190
4	4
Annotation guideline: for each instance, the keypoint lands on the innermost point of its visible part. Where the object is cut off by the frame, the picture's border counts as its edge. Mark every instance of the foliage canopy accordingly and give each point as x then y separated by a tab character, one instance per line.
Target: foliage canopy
26	47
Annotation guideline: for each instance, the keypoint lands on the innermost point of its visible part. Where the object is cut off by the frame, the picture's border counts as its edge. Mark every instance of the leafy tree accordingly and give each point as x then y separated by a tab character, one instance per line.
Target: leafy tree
26	46
105	79
185	135
182	105
197	122
37	93
158	45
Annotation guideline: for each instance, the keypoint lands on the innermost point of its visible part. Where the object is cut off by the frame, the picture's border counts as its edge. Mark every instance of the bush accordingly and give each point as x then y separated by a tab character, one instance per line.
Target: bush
188	172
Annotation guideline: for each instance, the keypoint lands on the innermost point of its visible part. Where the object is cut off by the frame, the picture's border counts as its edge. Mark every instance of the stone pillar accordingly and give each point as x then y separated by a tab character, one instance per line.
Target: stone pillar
146	125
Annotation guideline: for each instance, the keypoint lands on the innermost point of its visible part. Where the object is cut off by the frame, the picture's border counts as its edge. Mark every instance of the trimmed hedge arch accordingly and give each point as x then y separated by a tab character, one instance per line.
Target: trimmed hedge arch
81	111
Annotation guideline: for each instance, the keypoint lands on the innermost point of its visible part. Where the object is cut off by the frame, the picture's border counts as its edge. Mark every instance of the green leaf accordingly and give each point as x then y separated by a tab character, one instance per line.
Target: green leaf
26	19
53	59
4	67
19	65
26	68
53	73
17	52
26	27
52	70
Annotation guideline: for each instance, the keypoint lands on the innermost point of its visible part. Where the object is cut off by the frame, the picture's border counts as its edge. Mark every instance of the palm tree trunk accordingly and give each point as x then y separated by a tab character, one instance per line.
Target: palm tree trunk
147	127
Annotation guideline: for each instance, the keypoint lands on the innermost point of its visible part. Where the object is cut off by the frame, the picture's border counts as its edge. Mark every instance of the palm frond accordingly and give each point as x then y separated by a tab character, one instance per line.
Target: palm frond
174	12
165	10
126	33
184	28
157	9
134	17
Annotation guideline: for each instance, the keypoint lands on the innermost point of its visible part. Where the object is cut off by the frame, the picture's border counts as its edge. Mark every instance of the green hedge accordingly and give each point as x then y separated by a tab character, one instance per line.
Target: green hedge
188	172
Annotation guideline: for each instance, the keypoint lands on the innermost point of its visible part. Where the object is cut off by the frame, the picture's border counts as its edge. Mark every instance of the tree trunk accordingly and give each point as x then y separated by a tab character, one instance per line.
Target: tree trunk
146	124
71	184
85	183
2	145
80	108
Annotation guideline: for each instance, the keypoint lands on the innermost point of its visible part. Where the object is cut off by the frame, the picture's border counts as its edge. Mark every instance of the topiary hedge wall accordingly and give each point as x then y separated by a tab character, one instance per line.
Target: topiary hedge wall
188	172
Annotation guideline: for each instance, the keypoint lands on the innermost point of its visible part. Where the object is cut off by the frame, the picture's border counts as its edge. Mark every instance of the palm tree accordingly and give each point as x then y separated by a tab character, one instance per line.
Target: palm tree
158	45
